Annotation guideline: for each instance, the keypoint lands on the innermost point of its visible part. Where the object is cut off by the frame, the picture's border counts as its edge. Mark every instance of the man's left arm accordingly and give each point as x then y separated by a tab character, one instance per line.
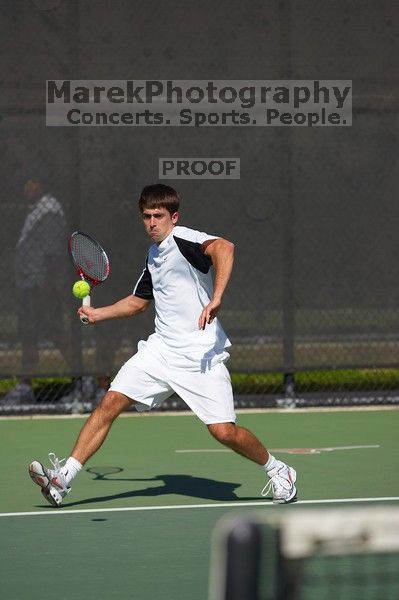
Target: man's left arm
221	252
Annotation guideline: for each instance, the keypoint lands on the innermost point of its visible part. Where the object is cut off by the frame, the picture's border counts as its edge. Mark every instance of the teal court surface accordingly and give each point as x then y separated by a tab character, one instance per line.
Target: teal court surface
139	519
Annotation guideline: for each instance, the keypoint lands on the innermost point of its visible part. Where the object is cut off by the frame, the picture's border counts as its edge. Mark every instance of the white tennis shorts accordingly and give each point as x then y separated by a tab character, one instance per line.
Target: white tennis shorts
148	379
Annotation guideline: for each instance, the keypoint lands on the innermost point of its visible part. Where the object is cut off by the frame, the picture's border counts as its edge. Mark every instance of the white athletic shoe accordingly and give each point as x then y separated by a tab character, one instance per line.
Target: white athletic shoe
52	481
282	483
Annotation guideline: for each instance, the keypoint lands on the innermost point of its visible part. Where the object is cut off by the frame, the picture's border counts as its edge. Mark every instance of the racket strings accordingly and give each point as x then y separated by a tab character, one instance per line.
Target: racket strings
89	258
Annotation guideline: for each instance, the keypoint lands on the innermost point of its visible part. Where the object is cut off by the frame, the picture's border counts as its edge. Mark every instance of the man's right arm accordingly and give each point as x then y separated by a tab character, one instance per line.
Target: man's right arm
127	307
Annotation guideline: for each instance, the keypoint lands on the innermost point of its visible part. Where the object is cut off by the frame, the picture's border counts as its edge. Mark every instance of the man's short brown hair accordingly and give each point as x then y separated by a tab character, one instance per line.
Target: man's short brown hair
159	196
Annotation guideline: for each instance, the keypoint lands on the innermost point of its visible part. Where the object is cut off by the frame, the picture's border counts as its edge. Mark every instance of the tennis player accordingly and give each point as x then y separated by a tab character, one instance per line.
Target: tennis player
186	354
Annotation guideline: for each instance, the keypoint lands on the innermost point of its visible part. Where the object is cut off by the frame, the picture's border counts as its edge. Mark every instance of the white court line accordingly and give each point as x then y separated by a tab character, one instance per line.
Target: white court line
283	450
193	451
258	503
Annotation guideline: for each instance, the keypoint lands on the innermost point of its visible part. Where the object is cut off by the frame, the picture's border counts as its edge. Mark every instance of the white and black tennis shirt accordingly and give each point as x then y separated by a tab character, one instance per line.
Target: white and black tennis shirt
177	275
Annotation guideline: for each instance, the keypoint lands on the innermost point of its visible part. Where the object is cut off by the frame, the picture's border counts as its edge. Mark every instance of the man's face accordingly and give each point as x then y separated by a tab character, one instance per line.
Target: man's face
33	190
158	223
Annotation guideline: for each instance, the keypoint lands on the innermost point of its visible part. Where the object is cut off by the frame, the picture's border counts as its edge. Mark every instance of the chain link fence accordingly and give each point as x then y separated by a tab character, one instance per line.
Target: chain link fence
312	308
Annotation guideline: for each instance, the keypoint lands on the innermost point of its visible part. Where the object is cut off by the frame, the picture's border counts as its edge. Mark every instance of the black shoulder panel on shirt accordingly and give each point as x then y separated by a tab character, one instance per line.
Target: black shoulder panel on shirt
143	287
192	252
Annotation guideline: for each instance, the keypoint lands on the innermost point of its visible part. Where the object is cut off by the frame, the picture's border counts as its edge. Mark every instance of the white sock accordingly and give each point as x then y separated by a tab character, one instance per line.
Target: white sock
271	463
71	469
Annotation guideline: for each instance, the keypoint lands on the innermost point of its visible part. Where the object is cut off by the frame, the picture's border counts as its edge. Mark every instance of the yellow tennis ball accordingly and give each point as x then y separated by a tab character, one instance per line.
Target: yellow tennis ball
81	289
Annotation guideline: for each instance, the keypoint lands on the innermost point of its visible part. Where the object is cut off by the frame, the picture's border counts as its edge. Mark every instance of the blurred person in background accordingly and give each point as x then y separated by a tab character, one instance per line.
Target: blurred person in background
39	268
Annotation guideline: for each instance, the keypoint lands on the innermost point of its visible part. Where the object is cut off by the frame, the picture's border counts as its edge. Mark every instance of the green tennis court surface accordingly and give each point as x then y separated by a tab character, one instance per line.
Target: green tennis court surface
139	519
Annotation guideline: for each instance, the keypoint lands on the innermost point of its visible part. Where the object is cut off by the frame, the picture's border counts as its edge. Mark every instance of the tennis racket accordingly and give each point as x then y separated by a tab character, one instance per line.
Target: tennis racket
90	261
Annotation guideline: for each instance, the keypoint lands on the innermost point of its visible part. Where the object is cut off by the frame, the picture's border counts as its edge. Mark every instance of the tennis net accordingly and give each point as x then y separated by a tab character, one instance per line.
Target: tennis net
307	554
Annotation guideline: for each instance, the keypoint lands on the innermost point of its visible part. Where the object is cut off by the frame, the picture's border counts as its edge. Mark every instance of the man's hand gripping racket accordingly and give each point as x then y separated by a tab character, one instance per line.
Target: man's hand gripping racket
90	262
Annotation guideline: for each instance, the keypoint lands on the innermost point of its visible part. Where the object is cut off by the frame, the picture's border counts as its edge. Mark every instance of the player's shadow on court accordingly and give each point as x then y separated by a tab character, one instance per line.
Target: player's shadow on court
180	485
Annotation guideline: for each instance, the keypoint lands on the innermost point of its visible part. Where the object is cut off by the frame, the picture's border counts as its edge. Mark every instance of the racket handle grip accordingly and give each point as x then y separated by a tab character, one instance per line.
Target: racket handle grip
85	302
